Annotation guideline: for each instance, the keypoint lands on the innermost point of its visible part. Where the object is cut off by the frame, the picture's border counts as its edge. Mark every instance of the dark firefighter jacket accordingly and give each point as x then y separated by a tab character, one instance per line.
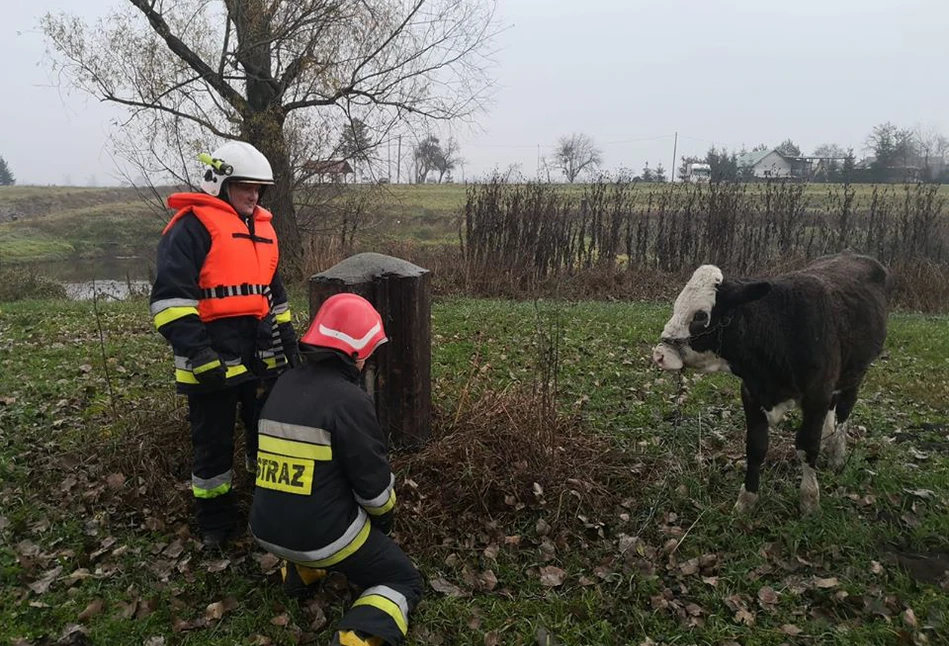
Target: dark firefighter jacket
322	470
217	294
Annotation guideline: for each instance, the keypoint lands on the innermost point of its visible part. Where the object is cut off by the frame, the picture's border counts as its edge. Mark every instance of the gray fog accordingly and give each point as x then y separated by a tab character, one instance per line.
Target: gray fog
630	74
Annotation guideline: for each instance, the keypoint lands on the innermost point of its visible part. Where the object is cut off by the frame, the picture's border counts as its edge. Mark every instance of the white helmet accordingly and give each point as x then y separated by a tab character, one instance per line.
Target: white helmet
236	161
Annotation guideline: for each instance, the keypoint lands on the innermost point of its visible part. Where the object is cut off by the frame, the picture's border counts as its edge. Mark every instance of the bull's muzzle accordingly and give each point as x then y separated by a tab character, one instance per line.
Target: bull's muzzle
667	355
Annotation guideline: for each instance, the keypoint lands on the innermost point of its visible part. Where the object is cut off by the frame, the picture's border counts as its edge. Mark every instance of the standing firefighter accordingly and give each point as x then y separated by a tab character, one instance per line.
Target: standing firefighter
220	303
324	498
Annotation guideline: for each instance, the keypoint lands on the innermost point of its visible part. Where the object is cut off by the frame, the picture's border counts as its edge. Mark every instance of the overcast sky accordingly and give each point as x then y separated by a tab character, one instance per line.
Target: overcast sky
625	72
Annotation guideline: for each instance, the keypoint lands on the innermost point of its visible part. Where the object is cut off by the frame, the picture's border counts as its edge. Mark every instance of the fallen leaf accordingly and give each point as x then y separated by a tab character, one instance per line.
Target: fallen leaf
826	583
745	617
115	480
281	620
314	610
42	585
552	576
154	641
910	618
146	608
487	581
28	548
447	588
218	566
127	610
689	567
260	640
542	527
268	563
767	596
215	611
791	630
94	608
491	551
492	638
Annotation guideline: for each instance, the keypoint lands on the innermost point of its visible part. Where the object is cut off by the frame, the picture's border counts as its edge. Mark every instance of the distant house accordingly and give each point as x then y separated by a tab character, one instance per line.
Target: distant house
329	170
771	164
766	164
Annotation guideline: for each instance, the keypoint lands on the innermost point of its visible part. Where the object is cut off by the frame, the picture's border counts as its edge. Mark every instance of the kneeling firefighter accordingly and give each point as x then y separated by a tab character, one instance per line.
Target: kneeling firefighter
219	301
325	499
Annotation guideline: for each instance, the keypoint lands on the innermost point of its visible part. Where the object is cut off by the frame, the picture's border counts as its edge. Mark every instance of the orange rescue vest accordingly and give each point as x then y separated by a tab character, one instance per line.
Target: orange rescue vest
236	275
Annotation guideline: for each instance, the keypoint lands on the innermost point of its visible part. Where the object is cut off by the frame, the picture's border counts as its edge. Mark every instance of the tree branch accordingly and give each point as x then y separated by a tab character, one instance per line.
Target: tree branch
186	54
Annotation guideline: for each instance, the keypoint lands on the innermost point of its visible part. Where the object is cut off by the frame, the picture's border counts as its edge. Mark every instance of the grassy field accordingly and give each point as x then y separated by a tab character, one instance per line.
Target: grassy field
635	545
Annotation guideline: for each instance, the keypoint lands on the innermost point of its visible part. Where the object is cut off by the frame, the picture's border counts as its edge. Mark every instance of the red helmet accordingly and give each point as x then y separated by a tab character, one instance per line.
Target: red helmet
348	323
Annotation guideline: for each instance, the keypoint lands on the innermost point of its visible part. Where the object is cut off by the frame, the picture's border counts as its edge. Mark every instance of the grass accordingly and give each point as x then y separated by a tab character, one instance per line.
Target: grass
94	469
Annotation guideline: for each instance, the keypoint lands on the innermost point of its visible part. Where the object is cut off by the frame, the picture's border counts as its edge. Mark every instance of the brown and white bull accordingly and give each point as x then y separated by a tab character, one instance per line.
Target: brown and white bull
804	338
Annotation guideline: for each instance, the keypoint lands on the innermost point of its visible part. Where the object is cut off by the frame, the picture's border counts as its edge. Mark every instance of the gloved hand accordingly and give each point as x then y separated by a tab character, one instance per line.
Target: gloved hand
384	522
208	368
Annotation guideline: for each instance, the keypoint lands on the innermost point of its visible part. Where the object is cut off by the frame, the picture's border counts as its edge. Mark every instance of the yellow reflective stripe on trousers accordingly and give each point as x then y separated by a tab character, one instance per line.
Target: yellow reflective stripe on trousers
283	317
294	449
220	490
211	487
170	314
387	606
187	377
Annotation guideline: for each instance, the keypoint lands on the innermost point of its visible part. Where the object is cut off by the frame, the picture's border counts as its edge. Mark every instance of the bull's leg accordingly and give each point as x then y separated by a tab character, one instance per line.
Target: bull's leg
756	448
834	441
807	442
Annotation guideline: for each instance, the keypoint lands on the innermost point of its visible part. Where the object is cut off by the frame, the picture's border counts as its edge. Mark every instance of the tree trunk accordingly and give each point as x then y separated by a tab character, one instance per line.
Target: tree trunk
264	125
279	197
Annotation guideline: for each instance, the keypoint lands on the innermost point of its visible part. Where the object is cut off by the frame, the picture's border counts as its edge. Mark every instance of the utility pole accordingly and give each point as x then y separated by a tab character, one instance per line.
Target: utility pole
389	156
672	171
398	163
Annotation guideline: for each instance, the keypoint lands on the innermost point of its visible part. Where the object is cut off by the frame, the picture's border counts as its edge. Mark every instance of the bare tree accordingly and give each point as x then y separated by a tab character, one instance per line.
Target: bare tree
933	147
449	158
576	153
830	151
425	157
284	75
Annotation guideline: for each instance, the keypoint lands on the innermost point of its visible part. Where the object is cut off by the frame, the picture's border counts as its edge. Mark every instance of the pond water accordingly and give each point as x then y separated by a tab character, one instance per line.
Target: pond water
107	289
107	277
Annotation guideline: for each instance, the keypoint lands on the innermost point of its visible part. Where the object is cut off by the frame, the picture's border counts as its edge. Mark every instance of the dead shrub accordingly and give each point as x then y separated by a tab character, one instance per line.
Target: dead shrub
497	457
21	283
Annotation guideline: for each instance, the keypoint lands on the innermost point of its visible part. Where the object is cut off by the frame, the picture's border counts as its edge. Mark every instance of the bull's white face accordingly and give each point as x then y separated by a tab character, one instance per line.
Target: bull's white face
692	310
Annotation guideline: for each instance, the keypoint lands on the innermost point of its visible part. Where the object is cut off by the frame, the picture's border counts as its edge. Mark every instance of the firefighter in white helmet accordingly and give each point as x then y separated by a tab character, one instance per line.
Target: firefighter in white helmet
325	494
219	301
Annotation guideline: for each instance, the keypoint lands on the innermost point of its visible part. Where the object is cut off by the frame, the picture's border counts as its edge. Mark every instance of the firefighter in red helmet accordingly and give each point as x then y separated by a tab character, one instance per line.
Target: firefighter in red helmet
325	494
219	301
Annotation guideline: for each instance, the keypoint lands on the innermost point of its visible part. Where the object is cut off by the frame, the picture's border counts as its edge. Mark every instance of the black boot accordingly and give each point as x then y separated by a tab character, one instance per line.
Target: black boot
217	519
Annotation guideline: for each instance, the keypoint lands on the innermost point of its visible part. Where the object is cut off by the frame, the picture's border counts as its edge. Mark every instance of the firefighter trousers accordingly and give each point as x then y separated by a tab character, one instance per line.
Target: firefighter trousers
212	416
391	585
